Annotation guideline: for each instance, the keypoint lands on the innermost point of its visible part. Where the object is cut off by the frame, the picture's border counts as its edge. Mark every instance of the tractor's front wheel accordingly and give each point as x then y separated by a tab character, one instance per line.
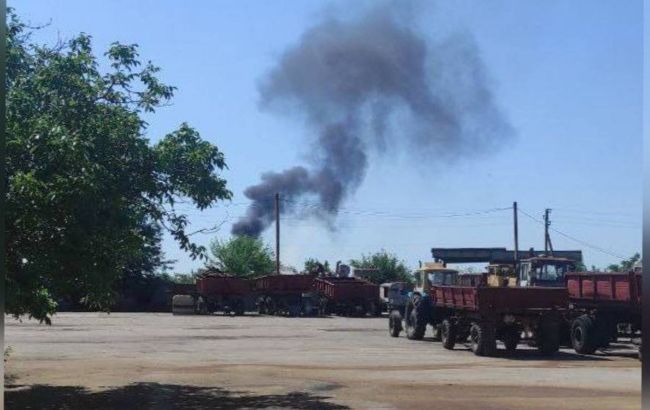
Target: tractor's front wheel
395	323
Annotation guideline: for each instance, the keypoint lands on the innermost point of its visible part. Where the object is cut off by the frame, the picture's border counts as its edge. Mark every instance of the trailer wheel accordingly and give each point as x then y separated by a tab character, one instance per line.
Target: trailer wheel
482	339
394	323
239	308
582	335
201	306
415	323
448	334
548	341
510	338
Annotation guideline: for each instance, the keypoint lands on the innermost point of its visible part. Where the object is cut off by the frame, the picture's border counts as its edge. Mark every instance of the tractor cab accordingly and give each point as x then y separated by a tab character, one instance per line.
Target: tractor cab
434	273
545	271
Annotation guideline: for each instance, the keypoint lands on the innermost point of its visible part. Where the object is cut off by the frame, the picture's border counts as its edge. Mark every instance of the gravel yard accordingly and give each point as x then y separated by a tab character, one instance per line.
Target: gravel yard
161	361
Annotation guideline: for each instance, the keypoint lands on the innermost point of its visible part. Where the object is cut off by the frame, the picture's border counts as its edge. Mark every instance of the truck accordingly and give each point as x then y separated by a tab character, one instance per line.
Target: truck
603	307
289	295
215	292
480	314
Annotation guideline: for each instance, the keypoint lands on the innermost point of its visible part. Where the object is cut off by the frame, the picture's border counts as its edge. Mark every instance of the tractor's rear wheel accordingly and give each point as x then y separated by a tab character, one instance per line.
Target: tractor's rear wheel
395	323
482	339
448	334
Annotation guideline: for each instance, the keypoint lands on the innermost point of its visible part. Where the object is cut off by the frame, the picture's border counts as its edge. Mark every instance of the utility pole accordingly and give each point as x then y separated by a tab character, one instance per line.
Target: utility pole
277	233
547	238
514	211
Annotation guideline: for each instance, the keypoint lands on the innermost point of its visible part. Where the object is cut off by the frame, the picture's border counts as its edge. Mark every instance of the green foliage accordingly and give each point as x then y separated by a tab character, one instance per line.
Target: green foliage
87	194
626	264
313	265
243	256
390	268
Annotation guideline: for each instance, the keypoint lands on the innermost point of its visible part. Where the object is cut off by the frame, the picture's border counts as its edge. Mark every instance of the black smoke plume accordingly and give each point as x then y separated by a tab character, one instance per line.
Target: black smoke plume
372	83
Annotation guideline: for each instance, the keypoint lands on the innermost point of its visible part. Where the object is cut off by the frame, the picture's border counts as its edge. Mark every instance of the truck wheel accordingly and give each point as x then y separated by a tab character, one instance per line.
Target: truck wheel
549	338
582	335
394	323
510	338
415	323
482	339
448	334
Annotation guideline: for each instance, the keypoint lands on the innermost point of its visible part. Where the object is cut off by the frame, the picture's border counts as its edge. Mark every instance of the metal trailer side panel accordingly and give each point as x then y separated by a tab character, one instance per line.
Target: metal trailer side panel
618	288
223	285
499	299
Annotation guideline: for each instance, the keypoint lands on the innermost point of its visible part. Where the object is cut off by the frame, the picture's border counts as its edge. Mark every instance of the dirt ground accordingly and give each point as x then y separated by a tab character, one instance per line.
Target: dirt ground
161	361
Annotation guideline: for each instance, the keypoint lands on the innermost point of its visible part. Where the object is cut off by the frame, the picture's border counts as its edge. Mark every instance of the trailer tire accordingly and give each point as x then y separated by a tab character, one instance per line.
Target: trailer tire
510	338
201	306
549	338
483	338
394	323
582	335
448	334
415	323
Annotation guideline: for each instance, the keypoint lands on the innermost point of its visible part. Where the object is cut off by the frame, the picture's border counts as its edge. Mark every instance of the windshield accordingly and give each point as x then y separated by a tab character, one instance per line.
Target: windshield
441	278
550	273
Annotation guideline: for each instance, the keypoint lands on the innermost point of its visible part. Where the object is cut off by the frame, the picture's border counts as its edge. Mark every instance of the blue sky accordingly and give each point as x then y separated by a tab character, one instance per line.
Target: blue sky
567	75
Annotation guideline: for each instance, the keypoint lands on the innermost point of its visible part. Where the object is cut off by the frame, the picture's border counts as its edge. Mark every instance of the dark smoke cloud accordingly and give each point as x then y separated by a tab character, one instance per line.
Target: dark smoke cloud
347	80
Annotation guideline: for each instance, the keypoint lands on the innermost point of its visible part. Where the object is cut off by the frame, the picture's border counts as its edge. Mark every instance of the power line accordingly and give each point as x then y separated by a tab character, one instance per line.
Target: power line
594	247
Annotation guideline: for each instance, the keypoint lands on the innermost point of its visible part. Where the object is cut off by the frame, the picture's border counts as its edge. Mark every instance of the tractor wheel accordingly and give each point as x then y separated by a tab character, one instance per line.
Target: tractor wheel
415	323
483	339
394	323
510	338
548	340
448	334
582	335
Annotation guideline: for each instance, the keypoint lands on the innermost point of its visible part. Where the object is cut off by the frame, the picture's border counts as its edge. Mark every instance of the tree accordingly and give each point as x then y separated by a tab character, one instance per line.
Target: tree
390	268
243	256
86	190
314	265
626	264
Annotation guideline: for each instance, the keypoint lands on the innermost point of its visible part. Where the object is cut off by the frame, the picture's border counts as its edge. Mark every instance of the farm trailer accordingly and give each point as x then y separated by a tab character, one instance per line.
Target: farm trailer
481	313
602	307
215	293
347	296
292	295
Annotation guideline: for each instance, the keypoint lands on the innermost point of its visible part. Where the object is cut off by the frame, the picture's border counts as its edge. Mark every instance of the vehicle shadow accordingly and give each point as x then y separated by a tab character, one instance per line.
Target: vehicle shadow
154	396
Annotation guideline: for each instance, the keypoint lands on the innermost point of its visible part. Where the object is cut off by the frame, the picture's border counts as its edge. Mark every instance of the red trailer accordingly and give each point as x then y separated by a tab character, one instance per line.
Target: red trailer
348	296
603	306
216	292
481	313
291	295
